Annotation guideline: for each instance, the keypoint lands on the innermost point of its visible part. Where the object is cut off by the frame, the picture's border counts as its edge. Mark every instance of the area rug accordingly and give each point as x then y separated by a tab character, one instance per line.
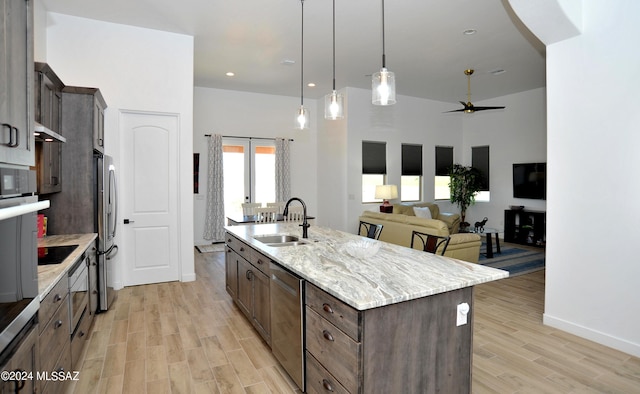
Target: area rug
210	248
515	260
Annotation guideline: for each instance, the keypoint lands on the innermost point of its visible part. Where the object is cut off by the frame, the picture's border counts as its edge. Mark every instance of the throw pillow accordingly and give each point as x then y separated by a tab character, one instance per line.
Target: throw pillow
422	212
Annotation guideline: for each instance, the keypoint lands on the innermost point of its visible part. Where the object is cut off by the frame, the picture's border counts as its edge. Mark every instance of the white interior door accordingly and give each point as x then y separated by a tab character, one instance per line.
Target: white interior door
150	197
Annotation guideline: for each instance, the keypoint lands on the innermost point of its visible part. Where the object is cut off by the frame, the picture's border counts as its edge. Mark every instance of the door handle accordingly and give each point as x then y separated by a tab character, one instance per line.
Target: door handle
127	221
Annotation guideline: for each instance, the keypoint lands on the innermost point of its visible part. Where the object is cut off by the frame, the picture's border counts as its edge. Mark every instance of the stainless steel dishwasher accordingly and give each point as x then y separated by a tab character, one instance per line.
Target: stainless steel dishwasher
287	335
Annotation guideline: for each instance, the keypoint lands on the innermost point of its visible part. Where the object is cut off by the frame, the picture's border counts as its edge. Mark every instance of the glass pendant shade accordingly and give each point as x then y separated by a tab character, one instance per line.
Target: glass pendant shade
383	87
333	106
302	118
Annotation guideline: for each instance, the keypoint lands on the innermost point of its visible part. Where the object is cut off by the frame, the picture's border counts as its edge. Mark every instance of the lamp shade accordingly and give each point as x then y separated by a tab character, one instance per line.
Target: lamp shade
386	192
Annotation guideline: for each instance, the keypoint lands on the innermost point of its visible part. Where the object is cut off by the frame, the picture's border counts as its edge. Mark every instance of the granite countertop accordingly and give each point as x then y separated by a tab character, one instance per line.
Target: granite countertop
49	275
394	274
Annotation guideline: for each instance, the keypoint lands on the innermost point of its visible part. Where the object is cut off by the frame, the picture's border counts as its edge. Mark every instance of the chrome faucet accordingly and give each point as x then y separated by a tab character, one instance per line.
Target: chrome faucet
305	225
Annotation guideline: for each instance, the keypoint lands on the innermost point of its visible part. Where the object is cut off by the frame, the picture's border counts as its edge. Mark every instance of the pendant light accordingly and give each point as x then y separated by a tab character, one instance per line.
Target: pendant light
302	115
333	106
383	83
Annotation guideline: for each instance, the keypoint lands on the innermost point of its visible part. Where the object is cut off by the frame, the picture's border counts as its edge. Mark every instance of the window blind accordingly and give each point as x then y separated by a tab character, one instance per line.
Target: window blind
480	161
374	157
411	159
444	160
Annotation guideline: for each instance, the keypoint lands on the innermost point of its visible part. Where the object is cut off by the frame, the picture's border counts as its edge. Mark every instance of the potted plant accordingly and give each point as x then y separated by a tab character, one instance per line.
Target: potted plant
464	183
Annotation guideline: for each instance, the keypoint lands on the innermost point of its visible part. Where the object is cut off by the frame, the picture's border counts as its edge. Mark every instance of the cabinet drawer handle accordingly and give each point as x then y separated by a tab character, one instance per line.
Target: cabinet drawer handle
242	248
57	324
57	298
327	335
248	274
260	262
327	385
229	240
327	308
81	334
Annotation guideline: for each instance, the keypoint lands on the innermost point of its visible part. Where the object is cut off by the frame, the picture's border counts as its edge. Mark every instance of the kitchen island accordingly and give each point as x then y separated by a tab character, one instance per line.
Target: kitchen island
390	322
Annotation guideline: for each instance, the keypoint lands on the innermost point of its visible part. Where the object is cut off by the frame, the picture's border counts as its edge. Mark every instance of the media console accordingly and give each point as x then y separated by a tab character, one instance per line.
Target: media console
525	227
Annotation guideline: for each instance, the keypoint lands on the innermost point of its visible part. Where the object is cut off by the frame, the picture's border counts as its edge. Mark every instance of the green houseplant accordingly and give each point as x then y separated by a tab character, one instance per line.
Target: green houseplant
464	183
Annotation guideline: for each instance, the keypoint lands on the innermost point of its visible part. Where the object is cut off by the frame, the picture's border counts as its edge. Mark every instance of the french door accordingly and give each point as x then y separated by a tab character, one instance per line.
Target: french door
249	173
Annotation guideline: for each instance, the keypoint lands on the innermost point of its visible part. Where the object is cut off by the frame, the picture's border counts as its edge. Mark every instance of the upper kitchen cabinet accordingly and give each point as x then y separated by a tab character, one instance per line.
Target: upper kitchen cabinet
48	97
48	116
83	114
16	79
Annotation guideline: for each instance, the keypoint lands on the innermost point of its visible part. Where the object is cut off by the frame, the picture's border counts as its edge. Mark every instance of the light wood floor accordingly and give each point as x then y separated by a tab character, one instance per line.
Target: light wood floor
190	338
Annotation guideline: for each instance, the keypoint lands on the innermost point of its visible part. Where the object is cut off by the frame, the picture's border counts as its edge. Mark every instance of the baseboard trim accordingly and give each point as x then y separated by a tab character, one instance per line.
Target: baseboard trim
592	335
188	277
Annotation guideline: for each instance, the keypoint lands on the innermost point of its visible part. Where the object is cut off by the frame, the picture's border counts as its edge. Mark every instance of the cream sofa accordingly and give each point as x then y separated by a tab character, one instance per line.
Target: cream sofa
452	220
397	229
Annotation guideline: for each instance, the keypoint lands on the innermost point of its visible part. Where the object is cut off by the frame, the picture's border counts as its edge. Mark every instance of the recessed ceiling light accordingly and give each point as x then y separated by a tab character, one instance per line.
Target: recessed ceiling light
288	62
311	85
230	74
497	71
469	32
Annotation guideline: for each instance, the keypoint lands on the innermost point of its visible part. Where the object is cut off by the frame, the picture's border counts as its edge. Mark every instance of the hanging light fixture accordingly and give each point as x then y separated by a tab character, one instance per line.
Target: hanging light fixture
302	115
333	106
383	83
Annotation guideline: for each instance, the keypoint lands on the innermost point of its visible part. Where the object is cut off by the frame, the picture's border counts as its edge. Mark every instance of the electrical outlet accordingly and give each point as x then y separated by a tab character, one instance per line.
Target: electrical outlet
461	315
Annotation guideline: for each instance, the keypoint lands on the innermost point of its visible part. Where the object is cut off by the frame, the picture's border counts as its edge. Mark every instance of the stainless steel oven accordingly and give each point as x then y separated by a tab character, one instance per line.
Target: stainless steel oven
19	301
78	291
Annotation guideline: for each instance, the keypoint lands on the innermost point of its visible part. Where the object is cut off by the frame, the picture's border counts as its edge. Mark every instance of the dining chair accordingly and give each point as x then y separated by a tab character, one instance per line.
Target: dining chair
265	214
435	244
371	230
295	214
248	208
279	205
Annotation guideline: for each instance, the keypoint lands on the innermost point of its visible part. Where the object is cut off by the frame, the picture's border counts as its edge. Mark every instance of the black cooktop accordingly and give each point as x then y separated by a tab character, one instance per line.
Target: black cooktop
54	254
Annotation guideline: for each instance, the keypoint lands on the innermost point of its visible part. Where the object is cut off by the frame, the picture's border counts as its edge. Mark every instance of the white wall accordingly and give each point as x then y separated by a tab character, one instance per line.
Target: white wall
593	211
135	69
246	114
517	134
411	120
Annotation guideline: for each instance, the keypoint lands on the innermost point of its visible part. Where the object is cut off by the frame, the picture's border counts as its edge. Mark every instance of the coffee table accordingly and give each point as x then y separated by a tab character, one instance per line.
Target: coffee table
489	232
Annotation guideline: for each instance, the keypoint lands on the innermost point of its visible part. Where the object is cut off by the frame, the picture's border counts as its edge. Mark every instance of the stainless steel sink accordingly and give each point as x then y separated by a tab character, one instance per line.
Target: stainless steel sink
293	243
280	240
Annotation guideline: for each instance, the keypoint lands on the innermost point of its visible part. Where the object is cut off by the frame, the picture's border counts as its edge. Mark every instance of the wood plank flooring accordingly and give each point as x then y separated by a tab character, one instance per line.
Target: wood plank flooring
190	338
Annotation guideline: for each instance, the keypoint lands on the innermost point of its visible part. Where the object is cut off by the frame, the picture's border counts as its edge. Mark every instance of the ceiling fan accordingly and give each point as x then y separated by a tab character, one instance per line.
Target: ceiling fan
468	106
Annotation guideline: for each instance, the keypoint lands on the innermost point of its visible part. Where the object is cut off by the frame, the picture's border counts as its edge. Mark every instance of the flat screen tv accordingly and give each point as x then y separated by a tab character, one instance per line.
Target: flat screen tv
530	180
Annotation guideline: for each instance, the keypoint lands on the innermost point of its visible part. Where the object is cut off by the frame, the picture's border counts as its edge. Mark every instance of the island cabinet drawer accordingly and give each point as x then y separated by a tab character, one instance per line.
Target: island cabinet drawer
54	338
55	298
240	247
261	262
319	380
337	312
336	351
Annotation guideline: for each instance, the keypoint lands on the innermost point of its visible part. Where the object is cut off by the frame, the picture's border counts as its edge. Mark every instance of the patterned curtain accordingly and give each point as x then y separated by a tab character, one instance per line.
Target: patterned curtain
283	170
214	220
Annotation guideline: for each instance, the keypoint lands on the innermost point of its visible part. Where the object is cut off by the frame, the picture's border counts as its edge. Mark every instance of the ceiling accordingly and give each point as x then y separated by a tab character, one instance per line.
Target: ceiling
425	45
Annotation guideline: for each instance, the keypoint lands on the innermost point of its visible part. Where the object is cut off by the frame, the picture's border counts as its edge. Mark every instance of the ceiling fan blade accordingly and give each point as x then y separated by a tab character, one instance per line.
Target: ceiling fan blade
455	110
486	108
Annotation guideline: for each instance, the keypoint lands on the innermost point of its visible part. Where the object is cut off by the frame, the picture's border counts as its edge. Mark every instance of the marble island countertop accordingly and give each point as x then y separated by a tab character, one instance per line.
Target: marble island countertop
393	274
49	275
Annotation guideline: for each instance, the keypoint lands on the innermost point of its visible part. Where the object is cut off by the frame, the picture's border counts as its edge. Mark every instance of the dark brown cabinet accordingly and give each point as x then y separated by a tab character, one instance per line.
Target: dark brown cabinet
93	280
24	359
525	227
408	347
16	81
231	272
83	113
247	275
48	113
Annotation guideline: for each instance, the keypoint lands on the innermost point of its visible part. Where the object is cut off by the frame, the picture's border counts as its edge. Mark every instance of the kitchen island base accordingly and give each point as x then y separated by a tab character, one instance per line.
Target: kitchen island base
408	347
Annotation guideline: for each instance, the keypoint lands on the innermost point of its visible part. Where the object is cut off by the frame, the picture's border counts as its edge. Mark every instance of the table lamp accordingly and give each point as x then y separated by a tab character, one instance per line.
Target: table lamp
386	192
